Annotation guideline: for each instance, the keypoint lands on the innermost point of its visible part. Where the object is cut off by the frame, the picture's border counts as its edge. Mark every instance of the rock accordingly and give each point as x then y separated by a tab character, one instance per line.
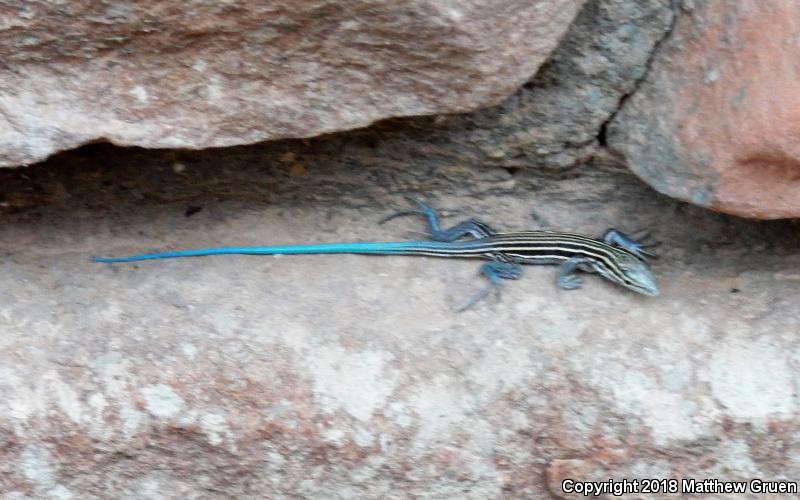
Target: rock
559	471
199	74
351	376
717	122
558	118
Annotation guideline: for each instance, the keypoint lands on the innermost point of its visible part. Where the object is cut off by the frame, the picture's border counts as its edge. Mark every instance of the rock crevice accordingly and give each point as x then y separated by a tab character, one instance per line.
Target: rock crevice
675	8
716	122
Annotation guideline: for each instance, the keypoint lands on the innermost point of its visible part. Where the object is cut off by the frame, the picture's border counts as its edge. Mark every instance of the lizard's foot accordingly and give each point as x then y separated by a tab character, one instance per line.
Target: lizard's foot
636	242
569	282
566	278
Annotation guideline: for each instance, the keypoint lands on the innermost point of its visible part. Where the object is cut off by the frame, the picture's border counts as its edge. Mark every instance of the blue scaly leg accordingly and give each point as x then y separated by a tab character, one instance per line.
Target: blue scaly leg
636	246
496	271
471	227
566	279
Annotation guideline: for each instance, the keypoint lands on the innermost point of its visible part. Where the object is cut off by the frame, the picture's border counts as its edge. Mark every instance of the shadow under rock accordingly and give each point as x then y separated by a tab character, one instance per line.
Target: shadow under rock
351	171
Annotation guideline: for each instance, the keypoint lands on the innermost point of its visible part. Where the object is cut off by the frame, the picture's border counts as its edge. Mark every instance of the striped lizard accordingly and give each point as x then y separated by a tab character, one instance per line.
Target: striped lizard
616	256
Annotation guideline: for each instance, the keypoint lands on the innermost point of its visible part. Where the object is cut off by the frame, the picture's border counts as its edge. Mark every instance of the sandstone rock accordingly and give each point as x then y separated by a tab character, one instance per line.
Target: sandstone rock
717	123
557	119
196	74
350	376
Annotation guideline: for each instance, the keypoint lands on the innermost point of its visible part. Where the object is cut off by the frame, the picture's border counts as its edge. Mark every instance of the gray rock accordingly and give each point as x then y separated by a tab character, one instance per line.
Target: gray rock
558	119
169	74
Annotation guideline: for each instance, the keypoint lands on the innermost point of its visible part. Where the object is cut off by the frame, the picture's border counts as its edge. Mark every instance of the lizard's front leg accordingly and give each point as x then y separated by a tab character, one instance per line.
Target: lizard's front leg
496	271
566	278
636	246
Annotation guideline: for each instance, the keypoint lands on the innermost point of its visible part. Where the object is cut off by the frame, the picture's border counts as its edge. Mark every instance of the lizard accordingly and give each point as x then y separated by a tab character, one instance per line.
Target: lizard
616	256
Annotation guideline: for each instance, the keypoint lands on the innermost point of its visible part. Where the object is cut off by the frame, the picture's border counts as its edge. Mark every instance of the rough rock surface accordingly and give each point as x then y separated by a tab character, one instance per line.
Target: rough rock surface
558	118
163	73
351	377
555	121
717	122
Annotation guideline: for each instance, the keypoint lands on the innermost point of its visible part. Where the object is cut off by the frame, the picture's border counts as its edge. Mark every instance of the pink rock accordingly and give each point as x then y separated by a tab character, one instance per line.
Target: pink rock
197	74
717	122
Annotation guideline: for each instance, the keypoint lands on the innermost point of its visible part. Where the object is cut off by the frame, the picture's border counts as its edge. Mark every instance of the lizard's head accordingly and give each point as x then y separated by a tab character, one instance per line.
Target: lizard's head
636	274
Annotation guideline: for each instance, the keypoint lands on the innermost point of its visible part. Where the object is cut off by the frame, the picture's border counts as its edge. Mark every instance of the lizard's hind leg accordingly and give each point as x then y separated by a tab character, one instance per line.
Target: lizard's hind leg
470	227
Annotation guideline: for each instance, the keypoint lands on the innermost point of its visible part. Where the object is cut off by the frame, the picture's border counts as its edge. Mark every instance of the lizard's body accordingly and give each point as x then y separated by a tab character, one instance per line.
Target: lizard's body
617	257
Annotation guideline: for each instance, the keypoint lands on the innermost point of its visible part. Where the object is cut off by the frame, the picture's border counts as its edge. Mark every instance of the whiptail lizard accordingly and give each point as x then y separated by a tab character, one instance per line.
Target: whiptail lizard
617	257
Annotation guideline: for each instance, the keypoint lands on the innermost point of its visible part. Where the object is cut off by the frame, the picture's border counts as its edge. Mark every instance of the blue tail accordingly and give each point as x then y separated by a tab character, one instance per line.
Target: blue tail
434	248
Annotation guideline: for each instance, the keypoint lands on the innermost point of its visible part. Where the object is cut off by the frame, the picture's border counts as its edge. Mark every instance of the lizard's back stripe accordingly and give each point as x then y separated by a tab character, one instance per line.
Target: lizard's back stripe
526	247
